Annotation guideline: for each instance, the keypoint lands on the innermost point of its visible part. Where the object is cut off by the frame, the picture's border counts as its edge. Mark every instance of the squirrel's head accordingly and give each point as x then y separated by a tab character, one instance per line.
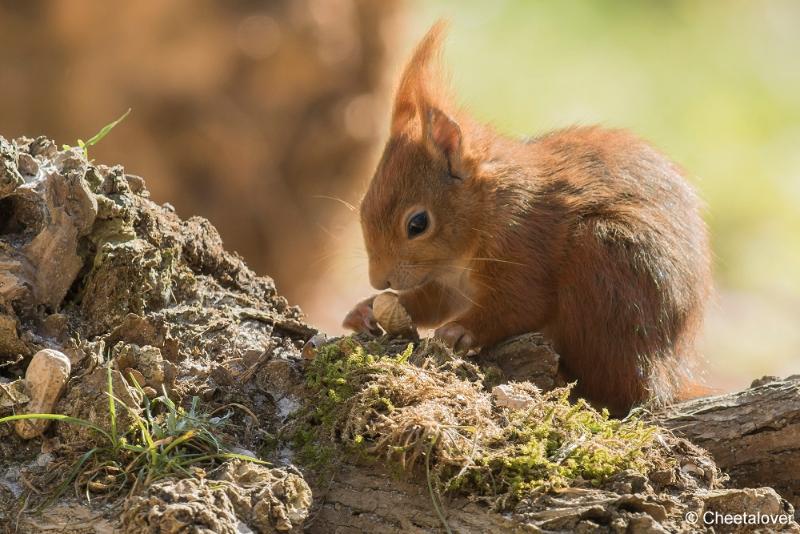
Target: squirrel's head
419	215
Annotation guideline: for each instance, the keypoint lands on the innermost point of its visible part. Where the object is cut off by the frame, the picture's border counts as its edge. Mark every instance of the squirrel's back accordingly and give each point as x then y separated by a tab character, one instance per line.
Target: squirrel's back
632	270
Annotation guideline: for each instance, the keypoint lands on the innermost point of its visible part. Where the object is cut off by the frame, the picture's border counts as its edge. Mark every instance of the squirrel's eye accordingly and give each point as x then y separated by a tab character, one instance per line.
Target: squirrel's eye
417	224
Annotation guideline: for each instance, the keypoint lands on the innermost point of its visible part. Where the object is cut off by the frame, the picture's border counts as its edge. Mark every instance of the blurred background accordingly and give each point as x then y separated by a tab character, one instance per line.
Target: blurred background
267	118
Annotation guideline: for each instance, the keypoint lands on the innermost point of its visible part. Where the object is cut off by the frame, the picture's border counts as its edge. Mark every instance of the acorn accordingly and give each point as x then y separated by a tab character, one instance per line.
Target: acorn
391	315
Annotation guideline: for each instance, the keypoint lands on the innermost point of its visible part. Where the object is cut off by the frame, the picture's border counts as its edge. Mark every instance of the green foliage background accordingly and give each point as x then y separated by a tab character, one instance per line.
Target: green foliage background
714	84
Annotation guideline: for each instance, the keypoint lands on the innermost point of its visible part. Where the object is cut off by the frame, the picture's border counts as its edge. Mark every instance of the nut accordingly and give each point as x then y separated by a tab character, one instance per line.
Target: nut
46	377
391	315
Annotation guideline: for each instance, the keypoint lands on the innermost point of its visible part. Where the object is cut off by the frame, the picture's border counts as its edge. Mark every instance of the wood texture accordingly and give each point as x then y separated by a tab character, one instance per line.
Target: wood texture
754	435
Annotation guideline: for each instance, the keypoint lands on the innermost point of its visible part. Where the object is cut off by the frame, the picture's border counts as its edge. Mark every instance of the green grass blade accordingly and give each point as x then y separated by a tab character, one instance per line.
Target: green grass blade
222	456
112	409
244	457
104	131
185	437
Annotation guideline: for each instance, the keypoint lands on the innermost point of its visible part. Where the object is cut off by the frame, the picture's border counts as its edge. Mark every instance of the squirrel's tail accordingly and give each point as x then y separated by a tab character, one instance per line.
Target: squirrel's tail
679	381
694	390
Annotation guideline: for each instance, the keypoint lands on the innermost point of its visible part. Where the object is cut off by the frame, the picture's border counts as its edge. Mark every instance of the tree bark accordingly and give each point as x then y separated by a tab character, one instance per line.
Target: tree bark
754	435
370	500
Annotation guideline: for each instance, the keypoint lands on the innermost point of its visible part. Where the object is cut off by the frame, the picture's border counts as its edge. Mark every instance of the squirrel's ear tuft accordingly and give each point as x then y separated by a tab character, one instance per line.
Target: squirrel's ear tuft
420	99
418	86
443	138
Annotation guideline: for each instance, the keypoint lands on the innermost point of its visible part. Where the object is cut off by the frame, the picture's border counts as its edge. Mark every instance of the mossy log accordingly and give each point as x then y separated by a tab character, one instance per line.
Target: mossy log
753	435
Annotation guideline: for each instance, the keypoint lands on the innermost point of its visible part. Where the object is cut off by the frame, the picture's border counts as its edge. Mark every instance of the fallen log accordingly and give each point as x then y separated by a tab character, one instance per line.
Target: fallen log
753	435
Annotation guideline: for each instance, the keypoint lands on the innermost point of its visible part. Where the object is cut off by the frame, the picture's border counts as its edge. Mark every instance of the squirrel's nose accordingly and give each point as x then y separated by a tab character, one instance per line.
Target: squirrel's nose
379	277
382	284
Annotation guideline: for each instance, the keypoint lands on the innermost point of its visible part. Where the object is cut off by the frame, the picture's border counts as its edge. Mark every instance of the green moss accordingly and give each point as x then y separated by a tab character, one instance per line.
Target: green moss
339	371
367	401
575	445
310	451
342	369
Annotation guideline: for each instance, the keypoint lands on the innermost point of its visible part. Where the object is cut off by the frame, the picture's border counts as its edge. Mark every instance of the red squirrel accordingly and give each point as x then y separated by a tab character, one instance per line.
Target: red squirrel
587	235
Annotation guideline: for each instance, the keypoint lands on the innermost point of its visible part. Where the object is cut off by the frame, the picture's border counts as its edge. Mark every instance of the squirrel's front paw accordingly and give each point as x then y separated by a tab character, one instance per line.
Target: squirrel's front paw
456	336
361	318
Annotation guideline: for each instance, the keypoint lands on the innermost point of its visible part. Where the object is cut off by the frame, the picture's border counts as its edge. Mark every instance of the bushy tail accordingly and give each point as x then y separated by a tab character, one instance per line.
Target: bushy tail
694	390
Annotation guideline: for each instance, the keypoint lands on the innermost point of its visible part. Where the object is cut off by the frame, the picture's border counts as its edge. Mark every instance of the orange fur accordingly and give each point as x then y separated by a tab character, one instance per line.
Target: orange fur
585	234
